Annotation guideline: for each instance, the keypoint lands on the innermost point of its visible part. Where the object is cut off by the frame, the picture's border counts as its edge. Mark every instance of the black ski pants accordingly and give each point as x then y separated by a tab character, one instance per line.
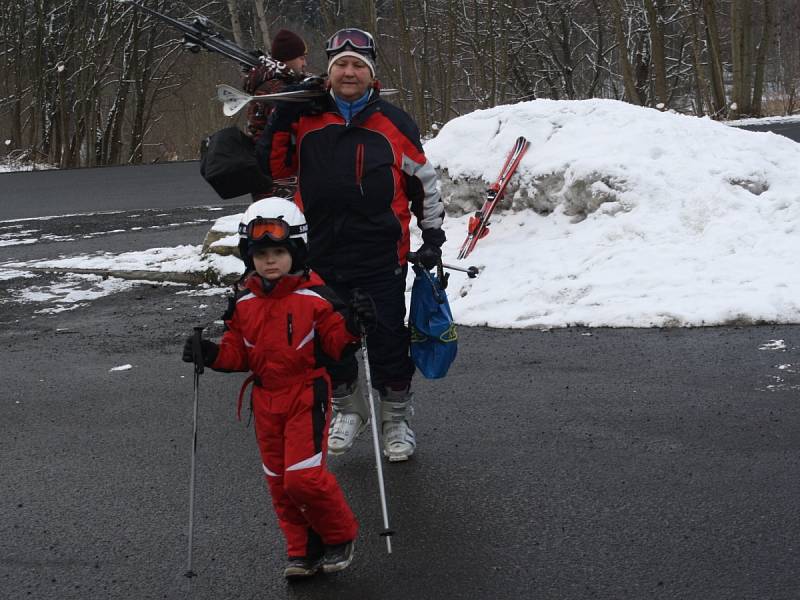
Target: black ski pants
389	359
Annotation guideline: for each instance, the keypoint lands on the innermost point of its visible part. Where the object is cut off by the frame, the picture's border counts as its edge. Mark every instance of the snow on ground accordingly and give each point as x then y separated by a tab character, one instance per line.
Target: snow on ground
778	120
179	259
10	166
620	216
74	291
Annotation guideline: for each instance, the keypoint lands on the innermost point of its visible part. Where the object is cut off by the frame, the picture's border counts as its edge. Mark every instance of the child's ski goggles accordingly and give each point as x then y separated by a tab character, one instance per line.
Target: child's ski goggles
357	39
275	229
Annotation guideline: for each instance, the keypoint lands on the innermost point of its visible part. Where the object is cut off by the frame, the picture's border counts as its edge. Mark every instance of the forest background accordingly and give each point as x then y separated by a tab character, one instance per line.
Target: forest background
89	83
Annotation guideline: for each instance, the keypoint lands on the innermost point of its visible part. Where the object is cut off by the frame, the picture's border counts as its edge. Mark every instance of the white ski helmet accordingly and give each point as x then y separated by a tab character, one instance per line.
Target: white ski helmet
275	208
274	222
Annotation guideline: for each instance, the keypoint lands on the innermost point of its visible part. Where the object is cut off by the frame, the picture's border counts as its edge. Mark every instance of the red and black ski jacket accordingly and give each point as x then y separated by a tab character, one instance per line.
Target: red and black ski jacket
358	182
279	334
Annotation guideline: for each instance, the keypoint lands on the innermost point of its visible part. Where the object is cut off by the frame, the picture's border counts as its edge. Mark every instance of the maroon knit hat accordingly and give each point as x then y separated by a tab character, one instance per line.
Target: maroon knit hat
287	45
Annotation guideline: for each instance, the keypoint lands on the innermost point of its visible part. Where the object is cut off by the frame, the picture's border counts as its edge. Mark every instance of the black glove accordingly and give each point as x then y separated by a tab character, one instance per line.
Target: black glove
314	105
313	83
362	313
429	255
208	350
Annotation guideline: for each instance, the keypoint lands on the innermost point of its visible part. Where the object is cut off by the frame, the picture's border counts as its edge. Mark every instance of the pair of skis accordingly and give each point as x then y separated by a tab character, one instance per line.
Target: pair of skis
234	100
479	223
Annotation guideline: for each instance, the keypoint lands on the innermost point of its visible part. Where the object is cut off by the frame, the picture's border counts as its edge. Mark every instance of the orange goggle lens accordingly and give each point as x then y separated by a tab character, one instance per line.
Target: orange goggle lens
275	229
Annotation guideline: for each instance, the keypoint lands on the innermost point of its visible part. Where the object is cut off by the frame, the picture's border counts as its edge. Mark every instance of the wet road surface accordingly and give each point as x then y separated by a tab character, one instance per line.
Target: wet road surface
571	463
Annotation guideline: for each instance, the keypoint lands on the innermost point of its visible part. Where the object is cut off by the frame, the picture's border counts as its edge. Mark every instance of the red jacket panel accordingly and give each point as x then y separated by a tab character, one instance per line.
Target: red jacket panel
277	335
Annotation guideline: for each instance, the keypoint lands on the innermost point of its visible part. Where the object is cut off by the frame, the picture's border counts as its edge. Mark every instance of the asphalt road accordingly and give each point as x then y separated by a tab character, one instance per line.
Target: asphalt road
572	463
42	193
789	130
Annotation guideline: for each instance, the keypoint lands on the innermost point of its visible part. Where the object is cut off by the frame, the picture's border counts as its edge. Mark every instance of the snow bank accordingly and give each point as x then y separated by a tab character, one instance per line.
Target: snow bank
626	216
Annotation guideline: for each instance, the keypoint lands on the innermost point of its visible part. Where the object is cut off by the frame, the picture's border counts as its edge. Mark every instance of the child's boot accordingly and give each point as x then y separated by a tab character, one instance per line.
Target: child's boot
302	566
338	557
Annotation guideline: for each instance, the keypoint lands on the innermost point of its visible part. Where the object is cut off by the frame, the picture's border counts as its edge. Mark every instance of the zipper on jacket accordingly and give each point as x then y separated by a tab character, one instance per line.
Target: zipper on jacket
289	328
360	166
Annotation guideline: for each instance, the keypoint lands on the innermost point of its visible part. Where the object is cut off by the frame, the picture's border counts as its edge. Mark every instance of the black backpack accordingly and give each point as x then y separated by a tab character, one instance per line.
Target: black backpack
228	164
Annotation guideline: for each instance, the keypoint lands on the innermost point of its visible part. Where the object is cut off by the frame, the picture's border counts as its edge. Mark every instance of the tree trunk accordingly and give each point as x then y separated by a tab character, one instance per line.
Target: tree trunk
628	78
702	92
113	136
263	26
654	12
742	56
715	59
761	58
445	61
236	24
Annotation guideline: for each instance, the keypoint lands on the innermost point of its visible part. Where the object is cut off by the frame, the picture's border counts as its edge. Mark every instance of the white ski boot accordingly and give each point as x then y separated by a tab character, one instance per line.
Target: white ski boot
399	441
349	419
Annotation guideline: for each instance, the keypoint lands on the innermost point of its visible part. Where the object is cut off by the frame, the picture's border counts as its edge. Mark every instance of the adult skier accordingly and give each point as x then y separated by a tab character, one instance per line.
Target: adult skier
361	172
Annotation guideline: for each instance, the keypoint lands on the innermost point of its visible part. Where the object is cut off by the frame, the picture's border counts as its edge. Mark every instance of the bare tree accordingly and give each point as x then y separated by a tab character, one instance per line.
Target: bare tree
761	57
715	58
86	83
655	21
628	76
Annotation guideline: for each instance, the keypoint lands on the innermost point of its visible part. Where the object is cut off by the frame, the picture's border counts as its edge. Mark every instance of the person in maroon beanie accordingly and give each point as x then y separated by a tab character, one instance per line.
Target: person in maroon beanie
288	48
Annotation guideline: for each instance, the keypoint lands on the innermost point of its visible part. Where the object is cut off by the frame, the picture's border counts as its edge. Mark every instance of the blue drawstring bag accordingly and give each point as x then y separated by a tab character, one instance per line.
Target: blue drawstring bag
434	340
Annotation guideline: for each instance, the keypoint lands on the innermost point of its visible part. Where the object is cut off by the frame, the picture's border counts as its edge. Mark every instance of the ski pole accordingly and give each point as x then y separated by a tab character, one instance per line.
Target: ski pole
472	272
387	533
197	355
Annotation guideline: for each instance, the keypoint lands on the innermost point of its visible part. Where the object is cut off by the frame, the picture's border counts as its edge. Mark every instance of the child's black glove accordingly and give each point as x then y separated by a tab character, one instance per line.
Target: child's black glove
208	351
362	313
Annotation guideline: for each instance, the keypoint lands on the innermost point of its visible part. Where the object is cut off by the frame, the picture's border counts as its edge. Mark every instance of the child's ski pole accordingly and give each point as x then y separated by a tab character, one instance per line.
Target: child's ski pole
387	533
197	354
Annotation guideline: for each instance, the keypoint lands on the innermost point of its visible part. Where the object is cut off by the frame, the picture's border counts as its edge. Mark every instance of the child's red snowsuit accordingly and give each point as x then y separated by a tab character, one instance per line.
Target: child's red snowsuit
277	336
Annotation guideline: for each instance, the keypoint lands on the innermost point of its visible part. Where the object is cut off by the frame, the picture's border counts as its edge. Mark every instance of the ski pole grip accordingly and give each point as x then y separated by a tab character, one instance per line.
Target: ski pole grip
197	350
412	258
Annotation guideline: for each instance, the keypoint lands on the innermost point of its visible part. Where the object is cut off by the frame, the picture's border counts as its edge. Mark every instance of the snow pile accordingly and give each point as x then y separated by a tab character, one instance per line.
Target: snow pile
625	216
620	216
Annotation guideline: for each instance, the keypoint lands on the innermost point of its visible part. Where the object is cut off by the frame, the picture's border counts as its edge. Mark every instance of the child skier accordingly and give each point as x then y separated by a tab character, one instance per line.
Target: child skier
282	319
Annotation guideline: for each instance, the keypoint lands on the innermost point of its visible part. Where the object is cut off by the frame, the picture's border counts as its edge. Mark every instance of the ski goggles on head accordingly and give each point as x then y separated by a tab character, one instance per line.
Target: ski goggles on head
275	229
356	39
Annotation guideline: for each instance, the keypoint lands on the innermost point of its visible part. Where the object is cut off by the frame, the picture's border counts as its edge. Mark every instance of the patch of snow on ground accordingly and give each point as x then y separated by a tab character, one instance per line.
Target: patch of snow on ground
773	345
